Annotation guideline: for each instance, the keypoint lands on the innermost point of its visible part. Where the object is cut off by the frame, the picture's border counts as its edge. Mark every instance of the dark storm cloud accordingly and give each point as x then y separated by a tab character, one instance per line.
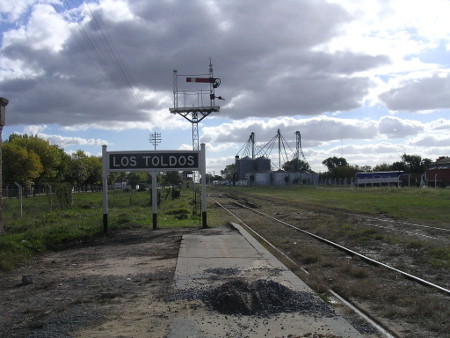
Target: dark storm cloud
261	50
422	94
302	95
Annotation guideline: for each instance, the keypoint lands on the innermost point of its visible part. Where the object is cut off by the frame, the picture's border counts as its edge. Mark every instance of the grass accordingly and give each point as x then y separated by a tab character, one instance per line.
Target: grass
427	204
43	227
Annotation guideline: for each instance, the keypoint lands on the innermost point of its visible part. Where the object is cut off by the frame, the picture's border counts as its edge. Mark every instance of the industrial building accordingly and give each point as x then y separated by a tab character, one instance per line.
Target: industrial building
438	173
256	169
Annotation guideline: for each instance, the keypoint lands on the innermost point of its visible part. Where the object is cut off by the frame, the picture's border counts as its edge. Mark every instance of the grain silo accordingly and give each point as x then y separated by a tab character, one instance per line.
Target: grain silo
262	164
244	166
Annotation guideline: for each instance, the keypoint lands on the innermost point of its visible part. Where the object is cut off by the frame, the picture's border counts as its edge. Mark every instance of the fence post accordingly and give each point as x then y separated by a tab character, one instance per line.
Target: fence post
49	193
20	199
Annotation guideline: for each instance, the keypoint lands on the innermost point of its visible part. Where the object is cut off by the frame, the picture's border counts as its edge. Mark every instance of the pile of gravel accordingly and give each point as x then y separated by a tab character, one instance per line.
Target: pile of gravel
260	298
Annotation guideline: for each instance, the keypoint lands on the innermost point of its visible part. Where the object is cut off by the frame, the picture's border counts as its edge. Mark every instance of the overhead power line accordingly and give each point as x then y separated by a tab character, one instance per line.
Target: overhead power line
103	50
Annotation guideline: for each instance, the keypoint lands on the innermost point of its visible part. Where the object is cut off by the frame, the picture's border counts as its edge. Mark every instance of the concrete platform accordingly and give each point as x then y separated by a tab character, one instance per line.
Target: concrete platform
213	256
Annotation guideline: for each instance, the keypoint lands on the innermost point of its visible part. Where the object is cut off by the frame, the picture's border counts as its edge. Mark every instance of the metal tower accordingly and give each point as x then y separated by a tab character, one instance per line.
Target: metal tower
282	144
298	146
248	149
195	104
193	107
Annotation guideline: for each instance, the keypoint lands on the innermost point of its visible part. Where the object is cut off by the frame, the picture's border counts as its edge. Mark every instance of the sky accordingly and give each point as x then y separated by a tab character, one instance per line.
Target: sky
366	80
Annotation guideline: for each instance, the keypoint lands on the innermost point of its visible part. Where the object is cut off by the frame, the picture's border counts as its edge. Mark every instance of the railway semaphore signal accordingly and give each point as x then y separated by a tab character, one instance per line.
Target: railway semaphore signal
195	104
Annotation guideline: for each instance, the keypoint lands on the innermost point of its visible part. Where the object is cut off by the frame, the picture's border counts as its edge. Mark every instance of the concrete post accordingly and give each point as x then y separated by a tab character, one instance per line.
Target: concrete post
3	103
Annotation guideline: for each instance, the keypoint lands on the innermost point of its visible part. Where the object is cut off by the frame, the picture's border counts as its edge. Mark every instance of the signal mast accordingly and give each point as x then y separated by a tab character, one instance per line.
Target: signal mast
195	104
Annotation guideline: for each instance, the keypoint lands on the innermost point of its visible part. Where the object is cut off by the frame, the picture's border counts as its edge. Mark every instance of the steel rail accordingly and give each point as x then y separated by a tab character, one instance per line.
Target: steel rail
372	322
399	222
347	250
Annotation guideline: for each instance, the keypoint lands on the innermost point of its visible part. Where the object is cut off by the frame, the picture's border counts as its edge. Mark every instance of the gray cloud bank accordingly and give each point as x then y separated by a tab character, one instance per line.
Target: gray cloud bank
264	53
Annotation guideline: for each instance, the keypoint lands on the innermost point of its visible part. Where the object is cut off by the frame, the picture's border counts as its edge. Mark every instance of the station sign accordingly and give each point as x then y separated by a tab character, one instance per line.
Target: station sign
153	161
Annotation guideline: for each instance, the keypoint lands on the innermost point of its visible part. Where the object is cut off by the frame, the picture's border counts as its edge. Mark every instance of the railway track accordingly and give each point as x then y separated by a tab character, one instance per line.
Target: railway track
413	229
345	249
331	267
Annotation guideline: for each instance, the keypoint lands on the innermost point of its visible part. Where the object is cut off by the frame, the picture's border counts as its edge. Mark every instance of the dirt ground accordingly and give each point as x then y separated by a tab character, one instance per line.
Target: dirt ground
121	285
112	287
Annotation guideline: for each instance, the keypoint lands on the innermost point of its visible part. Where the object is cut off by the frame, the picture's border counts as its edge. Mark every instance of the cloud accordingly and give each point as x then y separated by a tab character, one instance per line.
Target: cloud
64	141
314	131
59	140
11	11
431	141
439	124
394	127
94	68
221	147
185	147
329	69
45	29
34	129
420	94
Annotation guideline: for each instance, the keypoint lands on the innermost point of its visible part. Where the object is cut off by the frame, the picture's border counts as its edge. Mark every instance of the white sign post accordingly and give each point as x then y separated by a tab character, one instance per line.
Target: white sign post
154	199
153	162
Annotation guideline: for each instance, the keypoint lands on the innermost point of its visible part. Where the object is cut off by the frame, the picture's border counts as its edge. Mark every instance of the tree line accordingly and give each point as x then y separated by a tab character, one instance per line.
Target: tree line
31	160
338	167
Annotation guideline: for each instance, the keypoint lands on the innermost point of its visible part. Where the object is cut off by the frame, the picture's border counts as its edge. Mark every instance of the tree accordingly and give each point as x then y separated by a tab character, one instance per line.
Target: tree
20	165
415	164
134	178
217	178
211	178
172	178
296	165
364	168
339	168
399	166
383	167
79	168
94	164
229	172
334	162
52	158
347	171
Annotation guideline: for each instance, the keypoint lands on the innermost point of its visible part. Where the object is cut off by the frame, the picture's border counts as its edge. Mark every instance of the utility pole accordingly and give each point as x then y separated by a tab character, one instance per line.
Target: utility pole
155	139
3	103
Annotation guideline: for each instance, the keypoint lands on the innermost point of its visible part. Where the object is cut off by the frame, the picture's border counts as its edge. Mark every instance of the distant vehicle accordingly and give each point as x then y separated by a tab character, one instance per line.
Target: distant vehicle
379	178
438	173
